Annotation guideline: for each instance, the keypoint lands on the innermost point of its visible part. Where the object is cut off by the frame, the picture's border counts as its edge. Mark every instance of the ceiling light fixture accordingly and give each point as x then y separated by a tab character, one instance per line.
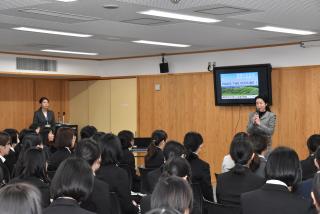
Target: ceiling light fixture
161	43
286	30
69	52
37	30
175	1
67	0
178	16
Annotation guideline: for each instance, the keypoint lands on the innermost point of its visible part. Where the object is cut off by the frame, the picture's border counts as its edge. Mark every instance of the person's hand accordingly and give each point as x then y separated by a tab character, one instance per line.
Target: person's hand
257	120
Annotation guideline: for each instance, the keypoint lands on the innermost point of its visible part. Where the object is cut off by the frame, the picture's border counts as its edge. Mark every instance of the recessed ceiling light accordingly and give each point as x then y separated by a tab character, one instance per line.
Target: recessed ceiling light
67	0
161	43
37	30
111	6
69	52
178	16
285	30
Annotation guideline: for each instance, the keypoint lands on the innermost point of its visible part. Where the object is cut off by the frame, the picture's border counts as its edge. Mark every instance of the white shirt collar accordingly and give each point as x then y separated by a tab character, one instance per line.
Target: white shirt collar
261	156
68	149
2	159
276	182
12	149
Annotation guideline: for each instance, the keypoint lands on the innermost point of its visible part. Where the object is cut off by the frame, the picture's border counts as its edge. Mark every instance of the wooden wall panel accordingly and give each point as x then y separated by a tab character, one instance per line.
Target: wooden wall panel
186	102
19	99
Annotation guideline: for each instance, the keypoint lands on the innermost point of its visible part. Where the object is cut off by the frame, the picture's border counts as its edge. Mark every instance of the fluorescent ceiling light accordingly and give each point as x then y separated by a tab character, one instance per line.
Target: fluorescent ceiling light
67	0
285	30
178	16
37	30
161	43
69	52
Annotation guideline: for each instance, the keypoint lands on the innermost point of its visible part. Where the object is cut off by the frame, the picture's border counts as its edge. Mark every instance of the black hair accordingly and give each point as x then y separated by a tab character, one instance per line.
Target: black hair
20	198
259	143
44	133
4	139
88	131
173	149
111	152
164	211
126	137
192	142
34	164
43	99
316	188
177	166
283	164
313	143
25	132
64	137
265	100
73	178
97	136
172	192
13	135
157	136
317	155
241	152
88	149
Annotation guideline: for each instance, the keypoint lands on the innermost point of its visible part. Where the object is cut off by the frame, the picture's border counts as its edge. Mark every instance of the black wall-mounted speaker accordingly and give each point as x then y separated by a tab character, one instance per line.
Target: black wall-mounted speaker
164	67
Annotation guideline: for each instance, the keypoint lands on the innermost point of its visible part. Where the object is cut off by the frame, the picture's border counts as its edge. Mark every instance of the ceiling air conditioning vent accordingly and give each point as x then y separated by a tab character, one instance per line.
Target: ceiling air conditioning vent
36	64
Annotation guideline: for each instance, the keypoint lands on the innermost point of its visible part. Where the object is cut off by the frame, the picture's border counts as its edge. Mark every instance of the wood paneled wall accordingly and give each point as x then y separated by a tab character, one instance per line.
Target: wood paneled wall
19	99
186	102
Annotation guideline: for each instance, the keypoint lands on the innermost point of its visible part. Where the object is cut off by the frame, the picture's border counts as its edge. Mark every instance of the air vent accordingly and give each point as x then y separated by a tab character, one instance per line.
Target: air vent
146	21
36	64
224	10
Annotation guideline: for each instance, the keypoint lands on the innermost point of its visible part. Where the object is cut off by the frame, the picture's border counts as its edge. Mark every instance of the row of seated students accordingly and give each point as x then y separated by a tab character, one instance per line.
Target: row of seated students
242	185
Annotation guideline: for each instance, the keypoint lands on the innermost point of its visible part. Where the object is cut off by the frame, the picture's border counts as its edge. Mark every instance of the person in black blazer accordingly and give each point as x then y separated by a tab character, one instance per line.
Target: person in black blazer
193	142
43	117
71	185
240	179
11	158
154	157
65	141
127	161
34	172
315	194
99	199
4	150
307	165
112	174
260	146
283	171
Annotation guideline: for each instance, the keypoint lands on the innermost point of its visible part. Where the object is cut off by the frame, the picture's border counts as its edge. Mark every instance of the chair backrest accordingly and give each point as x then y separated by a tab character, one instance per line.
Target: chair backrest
215	208
145	187
197	199
115	208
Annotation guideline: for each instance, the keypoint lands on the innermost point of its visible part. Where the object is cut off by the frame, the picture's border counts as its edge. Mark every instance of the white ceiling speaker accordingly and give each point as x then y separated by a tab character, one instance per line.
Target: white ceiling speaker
175	1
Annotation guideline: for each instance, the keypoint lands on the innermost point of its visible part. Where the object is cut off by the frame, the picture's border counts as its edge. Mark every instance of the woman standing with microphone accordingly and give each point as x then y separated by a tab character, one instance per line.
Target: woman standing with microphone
263	121
43	117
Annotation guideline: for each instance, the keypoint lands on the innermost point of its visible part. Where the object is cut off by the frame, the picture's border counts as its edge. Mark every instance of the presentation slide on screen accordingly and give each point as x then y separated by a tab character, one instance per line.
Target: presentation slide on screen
239	85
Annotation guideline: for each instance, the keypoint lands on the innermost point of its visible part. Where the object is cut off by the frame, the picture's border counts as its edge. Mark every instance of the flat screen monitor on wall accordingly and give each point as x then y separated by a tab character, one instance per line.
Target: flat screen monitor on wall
237	85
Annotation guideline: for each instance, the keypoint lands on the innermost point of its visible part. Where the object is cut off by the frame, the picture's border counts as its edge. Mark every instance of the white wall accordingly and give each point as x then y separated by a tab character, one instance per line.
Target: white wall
65	66
284	56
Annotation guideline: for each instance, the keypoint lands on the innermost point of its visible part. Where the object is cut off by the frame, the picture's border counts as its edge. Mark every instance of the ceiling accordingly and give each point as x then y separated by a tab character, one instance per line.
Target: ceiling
114	29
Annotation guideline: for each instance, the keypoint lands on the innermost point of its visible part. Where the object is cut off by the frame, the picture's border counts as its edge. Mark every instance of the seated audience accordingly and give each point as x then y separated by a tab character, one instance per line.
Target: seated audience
47	136
64	142
99	199
315	194
154	157
112	174
30	140
171	150
240	179
228	163
283	171
127	161
174	193
193	143
22	134
20	198
34	172
260	145
88	131
4	150
71	185
11	158
307	165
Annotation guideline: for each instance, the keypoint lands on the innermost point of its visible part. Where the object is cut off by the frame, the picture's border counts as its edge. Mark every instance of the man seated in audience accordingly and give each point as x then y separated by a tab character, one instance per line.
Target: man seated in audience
4	150
308	167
